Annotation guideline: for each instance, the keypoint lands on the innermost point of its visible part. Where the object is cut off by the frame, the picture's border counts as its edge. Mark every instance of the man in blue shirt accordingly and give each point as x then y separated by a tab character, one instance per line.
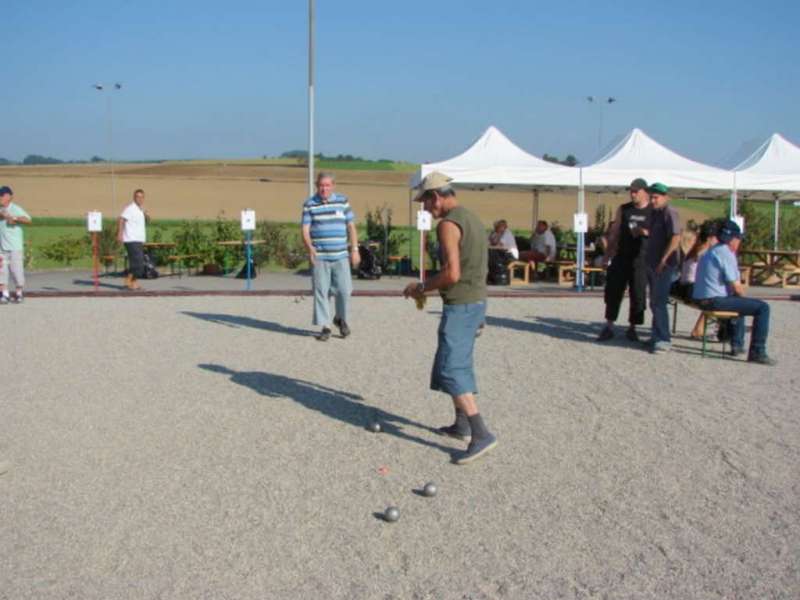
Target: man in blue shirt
327	223
717	287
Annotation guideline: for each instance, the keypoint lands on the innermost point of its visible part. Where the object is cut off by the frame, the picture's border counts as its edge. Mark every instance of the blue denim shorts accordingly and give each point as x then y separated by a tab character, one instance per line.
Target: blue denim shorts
453	368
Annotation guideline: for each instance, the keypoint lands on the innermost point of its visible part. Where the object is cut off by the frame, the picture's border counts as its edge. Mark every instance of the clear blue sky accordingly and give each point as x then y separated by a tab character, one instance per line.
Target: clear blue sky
414	80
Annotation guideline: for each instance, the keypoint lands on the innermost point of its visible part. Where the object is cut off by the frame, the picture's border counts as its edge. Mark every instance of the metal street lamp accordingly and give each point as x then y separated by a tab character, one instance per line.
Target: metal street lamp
109	89
310	98
601	102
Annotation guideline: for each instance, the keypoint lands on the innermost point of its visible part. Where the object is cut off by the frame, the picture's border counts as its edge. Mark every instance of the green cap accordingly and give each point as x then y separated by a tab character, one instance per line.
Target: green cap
659	188
433	181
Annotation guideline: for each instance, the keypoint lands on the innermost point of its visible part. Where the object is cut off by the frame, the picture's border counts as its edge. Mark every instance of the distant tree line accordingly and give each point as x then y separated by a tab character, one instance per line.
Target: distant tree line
303	155
38	159
569	161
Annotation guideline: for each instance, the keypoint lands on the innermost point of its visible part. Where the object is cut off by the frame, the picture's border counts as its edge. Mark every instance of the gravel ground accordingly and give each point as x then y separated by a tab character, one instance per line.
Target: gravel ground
210	448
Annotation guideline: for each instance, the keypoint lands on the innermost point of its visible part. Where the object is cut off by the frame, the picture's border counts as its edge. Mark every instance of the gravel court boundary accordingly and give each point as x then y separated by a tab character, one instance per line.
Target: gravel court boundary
202	456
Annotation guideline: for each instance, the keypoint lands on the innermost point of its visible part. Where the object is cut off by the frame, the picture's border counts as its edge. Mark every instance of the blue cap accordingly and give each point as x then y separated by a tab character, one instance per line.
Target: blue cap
5	190
728	231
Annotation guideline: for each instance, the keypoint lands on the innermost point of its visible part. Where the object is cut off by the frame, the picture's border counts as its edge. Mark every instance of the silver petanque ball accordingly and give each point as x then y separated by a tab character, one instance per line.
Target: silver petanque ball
430	489
375	427
391	514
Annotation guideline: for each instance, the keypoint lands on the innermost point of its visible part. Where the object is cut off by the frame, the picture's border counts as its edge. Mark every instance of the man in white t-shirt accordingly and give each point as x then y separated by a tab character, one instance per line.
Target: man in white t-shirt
131	232
543	244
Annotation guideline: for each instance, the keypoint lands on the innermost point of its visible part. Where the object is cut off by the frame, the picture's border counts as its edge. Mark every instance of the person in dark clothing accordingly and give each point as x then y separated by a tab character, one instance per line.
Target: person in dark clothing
663	240
625	256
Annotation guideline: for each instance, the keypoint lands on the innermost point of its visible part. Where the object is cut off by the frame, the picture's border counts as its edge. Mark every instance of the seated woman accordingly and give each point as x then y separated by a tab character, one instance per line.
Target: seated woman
684	286
503	238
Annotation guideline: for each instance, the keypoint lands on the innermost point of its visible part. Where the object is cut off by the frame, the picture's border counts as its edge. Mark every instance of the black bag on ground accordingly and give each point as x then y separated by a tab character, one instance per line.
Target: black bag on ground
369	267
149	270
243	273
498	267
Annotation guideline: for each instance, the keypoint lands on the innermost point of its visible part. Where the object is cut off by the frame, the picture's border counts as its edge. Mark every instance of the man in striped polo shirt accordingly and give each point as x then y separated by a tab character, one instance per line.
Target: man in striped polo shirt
327	223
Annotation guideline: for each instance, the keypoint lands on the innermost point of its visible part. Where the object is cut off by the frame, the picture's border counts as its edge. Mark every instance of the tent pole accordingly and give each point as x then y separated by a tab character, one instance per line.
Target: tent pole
535	215
410	229
776	235
579	254
734	208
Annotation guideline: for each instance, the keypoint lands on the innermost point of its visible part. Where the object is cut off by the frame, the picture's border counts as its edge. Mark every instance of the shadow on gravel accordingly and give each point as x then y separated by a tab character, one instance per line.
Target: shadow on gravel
239	321
580	331
100	284
336	404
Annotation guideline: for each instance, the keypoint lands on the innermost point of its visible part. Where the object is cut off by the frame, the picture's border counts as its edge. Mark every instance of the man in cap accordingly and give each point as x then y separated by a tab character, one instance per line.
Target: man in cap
327	222
663	239
717	286
627	246
12	245
462	285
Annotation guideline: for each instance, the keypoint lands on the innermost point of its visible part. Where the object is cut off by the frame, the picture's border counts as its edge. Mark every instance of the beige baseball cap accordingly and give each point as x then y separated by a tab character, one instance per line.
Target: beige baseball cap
432	181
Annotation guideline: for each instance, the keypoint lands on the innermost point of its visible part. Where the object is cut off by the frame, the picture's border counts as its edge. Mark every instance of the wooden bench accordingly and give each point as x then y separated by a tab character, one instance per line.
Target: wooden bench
790	277
566	273
513	269
181	260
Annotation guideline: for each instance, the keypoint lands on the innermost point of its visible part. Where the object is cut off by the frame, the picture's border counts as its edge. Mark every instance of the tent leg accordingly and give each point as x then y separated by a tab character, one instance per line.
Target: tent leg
776	230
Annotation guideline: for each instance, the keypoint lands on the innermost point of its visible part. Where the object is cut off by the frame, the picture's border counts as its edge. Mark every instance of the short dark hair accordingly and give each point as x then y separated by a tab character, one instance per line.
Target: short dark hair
138	191
445	192
543	222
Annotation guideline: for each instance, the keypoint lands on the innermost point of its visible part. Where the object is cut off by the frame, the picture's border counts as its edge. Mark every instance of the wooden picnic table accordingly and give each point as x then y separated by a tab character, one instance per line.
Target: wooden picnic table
768	265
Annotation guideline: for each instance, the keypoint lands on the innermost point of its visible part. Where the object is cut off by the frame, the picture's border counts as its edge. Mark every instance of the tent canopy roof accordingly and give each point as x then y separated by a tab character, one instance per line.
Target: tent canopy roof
774	166
639	155
494	160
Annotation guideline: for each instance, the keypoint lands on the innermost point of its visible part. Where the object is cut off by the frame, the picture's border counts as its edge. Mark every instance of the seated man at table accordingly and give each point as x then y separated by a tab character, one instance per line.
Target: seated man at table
502	237
717	287
543	245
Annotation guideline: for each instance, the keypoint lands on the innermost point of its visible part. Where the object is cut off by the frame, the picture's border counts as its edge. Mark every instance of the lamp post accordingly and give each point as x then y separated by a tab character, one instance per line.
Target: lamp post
310	98
109	89
601	102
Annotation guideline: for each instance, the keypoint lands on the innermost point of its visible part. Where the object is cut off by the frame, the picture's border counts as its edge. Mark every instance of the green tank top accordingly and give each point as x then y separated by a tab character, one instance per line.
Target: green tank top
474	258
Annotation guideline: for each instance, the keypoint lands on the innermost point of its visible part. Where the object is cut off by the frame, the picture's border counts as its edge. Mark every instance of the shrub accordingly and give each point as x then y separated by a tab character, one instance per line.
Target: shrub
226	230
280	246
191	239
66	250
380	229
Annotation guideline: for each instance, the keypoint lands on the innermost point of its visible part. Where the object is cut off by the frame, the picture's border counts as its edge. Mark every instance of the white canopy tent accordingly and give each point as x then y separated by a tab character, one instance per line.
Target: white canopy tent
494	160
773	168
639	155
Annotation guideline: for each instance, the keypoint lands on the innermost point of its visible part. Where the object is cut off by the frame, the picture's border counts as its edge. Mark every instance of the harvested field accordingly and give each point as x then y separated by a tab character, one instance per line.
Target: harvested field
205	188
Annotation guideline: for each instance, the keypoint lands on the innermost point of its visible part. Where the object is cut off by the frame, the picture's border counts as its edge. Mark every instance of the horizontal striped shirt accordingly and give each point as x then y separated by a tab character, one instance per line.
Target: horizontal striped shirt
328	225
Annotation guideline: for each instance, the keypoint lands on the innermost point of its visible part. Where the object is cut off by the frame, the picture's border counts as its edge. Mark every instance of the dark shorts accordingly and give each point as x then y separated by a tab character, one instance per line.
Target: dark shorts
453	368
135	258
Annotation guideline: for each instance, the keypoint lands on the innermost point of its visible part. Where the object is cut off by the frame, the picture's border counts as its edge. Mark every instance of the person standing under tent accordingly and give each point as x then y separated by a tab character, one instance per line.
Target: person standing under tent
625	256
327	223
461	283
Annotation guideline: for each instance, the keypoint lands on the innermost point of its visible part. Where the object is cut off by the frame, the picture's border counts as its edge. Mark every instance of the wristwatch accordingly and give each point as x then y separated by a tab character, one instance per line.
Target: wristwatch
420	288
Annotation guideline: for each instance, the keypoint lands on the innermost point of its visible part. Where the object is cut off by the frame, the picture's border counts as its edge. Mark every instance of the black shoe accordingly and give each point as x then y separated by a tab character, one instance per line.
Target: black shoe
632	335
325	335
453	432
344	330
762	359
606	334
